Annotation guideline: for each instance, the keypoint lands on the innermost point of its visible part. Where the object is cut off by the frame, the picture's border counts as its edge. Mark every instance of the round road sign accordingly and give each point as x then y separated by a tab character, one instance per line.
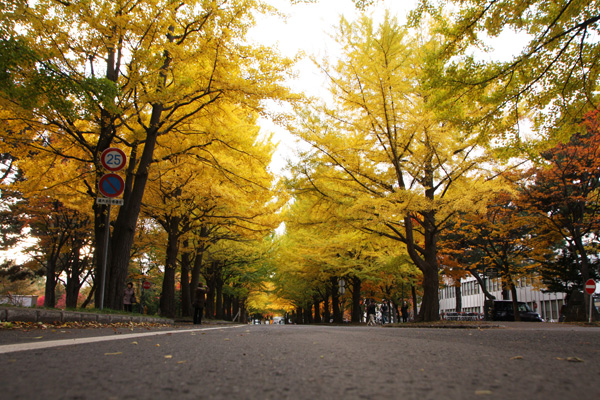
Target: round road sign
111	185
590	286
146	285
113	159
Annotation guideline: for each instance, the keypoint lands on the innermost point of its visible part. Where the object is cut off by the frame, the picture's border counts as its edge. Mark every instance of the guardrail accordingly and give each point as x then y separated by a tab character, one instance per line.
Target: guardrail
463	317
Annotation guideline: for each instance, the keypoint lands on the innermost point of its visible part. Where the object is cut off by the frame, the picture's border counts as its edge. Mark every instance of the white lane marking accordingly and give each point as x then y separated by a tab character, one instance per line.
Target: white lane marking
11	348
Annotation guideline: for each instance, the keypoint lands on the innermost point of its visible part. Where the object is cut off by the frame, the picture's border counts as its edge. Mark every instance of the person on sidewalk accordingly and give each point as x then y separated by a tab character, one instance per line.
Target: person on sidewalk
199	300
371	311
404	312
129	298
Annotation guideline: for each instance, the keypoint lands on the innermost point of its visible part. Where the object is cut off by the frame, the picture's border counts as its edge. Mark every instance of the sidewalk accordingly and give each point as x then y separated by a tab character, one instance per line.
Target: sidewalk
23	314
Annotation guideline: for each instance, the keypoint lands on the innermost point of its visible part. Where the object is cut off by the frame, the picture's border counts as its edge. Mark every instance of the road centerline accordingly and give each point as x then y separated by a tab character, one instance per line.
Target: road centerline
12	348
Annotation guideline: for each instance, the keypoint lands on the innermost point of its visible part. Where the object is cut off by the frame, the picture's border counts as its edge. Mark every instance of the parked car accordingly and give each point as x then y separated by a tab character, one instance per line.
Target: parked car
503	311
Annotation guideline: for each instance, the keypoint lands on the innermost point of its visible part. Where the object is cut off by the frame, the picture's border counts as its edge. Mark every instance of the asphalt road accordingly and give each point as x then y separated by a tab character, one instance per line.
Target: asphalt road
536	361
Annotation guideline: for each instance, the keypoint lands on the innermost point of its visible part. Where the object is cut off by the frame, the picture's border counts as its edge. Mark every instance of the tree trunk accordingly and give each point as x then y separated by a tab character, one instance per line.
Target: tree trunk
125	224
72	291
458	292
308	314
186	295
430	306
236	308
335	300
414	298
73	282
167	297
219	297
299	316
317	305
326	308
356	296
50	289
196	272
227	307
211	282
513	291
243	312
99	235
89	297
481	282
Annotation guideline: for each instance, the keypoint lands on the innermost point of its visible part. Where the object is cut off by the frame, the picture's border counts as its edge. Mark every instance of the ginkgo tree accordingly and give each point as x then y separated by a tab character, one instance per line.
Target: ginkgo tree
319	250
218	181
82	76
556	64
399	153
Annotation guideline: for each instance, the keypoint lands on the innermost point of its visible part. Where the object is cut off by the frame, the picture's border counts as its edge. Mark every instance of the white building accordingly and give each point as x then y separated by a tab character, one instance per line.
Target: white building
546	304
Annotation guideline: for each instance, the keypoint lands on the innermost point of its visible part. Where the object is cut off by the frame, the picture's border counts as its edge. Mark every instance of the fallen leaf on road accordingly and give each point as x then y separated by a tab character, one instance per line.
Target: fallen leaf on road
574	359
38	337
181	362
483	392
157	345
517	358
134	342
169	356
226	339
113	354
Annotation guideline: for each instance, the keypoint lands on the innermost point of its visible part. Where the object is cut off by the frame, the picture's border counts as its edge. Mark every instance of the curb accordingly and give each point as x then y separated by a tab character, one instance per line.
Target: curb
59	316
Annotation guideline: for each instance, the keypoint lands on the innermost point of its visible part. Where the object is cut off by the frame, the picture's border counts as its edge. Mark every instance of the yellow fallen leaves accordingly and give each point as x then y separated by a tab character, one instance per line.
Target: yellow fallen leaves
517	358
482	392
113	354
27	326
169	356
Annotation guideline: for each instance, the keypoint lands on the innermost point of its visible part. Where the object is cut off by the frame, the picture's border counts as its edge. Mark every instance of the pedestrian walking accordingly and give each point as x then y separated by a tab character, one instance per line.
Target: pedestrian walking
384	312
129	298
371	311
199	301
404	311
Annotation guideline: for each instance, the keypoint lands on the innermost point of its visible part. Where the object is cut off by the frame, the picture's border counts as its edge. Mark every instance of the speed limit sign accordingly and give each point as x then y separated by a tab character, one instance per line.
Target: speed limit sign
113	159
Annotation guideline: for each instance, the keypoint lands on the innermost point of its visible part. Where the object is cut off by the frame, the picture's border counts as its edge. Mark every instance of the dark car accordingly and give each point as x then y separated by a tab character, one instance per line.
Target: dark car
503	311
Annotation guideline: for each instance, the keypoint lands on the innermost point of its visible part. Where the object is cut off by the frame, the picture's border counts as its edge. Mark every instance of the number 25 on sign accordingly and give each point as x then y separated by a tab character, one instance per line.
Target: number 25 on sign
113	159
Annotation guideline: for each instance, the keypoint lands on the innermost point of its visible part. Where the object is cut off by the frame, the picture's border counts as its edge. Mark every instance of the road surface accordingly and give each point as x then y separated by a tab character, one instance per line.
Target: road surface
535	361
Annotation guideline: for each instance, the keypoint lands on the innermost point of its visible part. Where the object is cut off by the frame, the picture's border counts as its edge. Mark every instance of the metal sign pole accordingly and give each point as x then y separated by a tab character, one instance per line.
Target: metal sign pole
105	261
591	302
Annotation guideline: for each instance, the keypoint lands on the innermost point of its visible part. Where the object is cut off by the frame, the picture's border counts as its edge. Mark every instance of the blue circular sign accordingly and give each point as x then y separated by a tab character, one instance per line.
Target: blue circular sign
111	185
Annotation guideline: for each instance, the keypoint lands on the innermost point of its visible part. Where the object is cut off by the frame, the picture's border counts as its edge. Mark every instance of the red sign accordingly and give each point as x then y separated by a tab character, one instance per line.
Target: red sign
111	185
146	285
113	159
590	286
